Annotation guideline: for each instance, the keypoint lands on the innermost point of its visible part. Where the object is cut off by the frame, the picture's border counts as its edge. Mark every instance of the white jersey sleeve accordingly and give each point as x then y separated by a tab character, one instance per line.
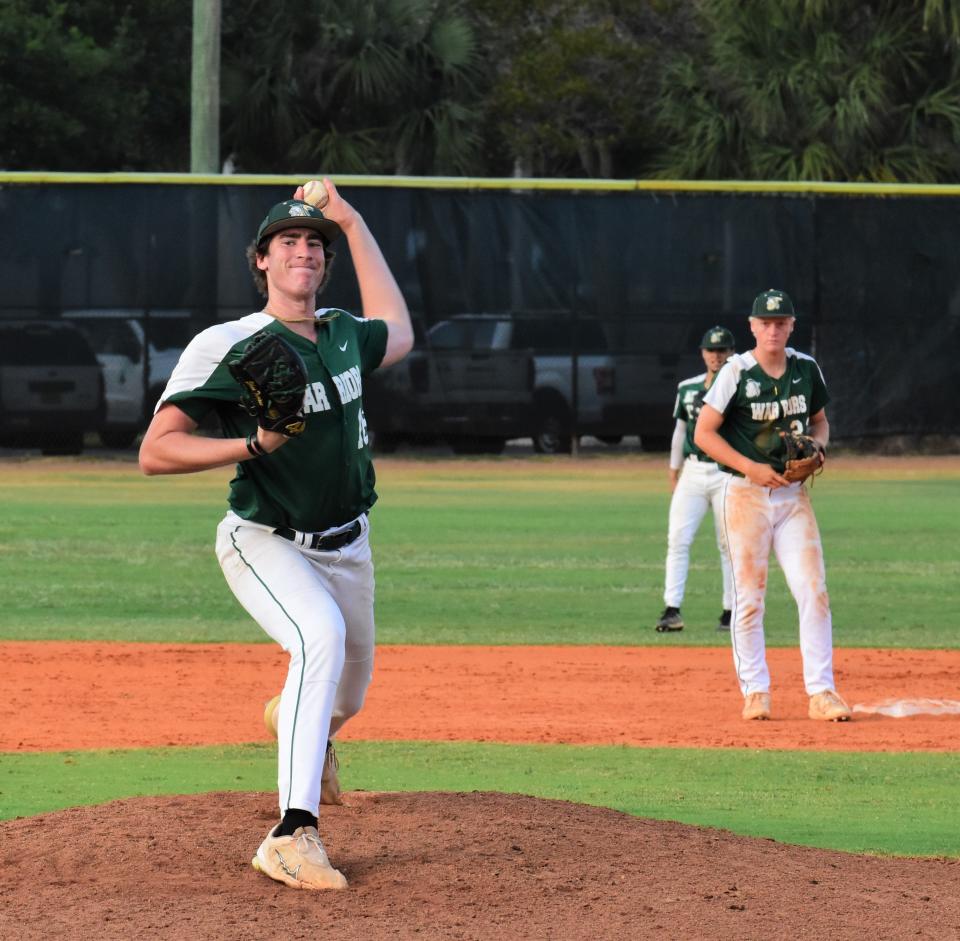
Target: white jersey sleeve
676	445
724	386
205	353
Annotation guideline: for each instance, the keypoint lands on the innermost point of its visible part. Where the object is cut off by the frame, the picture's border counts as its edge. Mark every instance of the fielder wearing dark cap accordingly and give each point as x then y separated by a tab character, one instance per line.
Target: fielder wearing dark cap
697	485
718	338
761	397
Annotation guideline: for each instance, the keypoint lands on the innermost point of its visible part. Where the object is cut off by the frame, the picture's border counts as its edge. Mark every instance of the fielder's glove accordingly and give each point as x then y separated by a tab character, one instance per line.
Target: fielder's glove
805	456
272	379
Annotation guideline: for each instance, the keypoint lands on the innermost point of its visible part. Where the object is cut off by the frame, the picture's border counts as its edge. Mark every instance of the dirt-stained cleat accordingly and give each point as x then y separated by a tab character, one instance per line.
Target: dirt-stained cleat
271	715
756	706
299	861
829	706
670	620
330	777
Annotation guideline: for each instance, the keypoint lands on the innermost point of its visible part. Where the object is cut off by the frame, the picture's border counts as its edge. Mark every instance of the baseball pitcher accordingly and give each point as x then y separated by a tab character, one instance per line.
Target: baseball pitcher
286	384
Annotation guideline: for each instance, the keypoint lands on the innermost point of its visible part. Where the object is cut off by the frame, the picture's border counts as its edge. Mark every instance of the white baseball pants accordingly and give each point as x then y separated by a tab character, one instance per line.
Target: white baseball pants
319	607
699	488
757	519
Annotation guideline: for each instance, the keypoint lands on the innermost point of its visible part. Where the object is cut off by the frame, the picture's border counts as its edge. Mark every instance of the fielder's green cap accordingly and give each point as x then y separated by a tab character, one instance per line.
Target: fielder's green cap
771	303
294	214
718	338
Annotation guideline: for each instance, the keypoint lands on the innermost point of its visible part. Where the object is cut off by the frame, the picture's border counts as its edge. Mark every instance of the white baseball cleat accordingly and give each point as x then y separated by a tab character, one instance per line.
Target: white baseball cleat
299	861
756	706
829	706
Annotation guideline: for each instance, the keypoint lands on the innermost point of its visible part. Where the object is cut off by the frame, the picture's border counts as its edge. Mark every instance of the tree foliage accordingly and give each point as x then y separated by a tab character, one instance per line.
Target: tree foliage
796	89
381	86
573	88
85	88
816	90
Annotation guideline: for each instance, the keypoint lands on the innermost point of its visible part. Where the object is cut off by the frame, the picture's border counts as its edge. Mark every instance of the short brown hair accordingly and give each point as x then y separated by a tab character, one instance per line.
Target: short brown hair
260	249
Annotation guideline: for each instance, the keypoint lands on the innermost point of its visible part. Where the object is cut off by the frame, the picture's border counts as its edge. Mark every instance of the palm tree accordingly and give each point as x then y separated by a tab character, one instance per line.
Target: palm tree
816	90
370	86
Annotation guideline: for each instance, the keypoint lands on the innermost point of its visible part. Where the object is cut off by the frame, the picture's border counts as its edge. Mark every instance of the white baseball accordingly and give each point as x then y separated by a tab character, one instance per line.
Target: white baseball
315	193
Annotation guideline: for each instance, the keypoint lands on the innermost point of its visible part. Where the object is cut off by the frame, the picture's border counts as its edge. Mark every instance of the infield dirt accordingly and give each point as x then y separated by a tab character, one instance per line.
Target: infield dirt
453	866
142	695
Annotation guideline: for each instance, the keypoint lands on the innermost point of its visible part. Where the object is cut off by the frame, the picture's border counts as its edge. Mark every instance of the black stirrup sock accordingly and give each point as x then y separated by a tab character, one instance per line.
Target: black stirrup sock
293	819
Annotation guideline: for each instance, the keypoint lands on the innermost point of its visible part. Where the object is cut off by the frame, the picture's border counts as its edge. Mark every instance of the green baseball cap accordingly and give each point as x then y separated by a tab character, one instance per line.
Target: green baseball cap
771	303
295	214
718	338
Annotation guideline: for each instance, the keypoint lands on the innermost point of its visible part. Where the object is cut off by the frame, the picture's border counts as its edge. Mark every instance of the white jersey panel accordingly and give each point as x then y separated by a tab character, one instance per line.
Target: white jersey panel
207	350
724	387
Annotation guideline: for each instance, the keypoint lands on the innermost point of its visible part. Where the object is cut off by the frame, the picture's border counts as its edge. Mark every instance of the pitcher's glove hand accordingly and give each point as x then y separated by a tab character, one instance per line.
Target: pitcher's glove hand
272	379
805	456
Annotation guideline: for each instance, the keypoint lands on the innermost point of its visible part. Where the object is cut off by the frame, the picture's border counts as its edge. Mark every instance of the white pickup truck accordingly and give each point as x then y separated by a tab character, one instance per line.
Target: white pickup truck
134	373
480	379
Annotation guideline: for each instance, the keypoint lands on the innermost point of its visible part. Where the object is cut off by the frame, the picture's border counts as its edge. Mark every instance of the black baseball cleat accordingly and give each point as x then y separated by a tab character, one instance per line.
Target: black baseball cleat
724	624
670	620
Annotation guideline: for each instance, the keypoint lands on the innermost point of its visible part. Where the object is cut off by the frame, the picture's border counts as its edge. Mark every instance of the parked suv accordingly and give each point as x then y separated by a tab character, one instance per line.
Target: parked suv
51	387
134	372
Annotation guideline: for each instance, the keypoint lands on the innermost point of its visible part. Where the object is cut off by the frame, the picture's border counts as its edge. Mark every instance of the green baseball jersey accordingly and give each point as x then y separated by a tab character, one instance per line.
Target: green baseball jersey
324	477
687	407
756	407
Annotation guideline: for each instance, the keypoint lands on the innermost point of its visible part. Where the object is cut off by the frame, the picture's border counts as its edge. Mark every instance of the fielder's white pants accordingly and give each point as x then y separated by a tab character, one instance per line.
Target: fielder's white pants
699	488
319	607
757	519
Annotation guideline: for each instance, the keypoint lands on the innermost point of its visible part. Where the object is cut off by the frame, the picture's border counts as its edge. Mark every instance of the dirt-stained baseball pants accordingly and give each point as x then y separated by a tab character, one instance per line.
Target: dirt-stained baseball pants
756	520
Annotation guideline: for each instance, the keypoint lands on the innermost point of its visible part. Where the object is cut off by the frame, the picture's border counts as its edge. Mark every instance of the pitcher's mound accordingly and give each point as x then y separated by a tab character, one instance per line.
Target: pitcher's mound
432	865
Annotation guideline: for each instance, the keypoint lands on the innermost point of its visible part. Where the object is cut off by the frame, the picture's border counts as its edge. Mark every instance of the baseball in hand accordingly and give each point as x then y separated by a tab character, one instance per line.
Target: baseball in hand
315	193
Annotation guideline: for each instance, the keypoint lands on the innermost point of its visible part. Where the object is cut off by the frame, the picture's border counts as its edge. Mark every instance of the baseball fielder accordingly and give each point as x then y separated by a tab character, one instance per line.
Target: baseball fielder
293	545
699	486
756	399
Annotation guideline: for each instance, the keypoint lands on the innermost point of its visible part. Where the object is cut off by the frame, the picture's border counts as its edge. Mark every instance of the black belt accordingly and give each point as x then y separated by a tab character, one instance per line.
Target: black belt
321	543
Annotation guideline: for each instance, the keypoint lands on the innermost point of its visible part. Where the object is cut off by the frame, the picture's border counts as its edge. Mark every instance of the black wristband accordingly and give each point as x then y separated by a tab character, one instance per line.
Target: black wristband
254	446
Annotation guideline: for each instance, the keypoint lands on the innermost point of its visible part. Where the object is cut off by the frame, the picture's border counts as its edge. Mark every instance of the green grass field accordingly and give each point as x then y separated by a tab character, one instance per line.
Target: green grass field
517	551
513	552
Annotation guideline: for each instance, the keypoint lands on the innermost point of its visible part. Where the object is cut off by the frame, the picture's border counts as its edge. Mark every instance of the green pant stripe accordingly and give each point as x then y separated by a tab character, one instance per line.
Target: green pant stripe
303	657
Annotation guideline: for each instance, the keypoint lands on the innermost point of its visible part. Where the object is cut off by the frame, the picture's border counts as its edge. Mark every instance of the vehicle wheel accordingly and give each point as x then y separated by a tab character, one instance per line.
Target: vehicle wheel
610	439
119	438
553	437
476	444
68	442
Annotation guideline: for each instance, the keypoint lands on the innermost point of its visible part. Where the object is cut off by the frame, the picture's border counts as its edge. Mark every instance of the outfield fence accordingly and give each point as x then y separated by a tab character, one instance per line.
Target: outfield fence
138	262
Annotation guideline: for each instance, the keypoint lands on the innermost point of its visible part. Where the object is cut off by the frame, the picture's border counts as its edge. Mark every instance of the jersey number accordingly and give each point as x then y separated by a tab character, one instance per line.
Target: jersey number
362	438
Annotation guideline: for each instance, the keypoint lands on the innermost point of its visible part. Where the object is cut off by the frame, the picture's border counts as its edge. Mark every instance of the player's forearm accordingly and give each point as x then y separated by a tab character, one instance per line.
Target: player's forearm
380	295
819	429
182	452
